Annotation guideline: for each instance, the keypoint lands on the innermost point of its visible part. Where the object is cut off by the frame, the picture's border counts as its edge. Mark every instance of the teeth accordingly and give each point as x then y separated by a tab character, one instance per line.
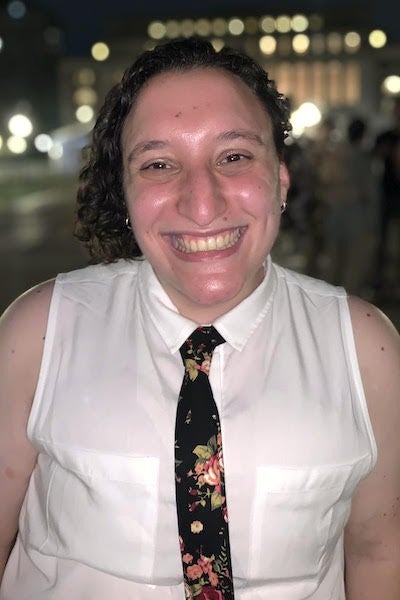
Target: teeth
219	242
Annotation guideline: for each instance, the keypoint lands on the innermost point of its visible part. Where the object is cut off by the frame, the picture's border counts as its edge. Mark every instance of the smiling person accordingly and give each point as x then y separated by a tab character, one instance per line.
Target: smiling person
185	418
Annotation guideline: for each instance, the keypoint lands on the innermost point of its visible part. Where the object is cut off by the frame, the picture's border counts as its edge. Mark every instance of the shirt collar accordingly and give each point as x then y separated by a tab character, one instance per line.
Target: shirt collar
175	328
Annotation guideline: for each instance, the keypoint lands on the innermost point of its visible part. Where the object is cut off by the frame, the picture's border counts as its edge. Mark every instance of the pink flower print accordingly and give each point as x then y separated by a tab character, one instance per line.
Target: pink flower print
205	365
206	564
187	558
209	593
213	577
194	572
212	474
181	544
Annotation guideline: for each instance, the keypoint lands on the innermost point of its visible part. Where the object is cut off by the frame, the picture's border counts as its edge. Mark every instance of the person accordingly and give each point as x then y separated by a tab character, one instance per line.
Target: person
387	151
179	204
348	193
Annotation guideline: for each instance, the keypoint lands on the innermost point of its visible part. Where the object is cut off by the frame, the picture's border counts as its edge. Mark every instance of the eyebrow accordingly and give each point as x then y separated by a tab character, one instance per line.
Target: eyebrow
234	134
145	147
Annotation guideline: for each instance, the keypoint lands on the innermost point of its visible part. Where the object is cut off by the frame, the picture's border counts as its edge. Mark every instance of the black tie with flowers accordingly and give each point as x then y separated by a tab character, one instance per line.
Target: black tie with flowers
199	474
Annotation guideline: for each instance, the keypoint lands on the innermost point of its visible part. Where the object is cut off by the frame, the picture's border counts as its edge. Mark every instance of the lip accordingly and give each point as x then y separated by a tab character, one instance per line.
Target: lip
194	245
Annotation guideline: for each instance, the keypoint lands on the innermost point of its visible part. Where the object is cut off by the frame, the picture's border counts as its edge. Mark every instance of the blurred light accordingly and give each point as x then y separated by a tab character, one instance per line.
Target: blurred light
267	44
20	126
267	24
43	142
156	30
334	42
219	27
84	113
56	151
251	25
307	115
318	43
187	27
377	38
236	26
85	76
16	9
352	41
1	44
100	51
16	145
299	23
172	29
85	95
217	44
301	43
316	22
202	27
391	85
282	24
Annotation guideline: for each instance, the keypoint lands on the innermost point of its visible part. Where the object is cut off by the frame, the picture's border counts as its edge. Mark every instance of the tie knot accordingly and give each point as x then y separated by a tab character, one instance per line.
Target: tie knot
199	347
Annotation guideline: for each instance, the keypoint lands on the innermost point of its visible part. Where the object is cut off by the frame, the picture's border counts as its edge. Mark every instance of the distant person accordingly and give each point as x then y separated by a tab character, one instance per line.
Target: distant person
387	149
185	418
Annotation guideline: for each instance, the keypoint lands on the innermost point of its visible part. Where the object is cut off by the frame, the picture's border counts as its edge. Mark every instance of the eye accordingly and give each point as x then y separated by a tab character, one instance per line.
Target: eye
157	165
234	157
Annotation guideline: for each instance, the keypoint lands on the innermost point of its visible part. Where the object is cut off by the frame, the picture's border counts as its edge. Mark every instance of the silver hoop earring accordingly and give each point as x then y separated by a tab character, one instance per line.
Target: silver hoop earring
283	207
128	224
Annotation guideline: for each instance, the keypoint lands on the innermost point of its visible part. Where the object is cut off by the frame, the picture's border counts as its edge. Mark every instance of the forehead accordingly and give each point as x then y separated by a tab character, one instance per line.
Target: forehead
201	94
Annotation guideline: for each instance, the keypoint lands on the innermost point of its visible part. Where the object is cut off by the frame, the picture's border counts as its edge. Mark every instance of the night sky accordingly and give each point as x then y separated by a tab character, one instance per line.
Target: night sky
83	20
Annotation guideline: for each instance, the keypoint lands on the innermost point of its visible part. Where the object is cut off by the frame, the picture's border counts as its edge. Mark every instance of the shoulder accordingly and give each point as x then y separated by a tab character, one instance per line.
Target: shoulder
22	333
378	351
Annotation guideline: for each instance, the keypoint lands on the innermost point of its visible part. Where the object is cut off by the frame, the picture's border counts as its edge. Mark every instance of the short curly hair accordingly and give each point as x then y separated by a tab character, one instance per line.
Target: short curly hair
101	210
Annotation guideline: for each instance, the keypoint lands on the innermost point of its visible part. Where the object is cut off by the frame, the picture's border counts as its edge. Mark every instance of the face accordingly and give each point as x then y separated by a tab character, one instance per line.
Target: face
203	186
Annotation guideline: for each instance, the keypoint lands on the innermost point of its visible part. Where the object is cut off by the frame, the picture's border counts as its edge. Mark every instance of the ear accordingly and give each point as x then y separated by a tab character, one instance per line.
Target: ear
284	181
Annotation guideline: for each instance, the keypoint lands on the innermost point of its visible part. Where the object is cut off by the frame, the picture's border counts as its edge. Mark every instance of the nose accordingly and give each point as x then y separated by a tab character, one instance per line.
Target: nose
200	198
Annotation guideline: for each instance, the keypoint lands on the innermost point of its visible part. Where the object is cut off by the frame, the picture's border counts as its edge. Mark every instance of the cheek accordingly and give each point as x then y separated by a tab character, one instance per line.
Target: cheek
258	197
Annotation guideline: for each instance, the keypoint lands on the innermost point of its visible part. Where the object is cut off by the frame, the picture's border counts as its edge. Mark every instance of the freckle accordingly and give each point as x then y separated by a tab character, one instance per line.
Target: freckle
44	337
194	107
384	514
38	291
382	348
13	351
178	114
10	473
368	314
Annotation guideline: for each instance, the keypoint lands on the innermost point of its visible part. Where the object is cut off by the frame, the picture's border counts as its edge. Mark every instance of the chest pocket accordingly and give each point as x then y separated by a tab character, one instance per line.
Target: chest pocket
297	518
100	509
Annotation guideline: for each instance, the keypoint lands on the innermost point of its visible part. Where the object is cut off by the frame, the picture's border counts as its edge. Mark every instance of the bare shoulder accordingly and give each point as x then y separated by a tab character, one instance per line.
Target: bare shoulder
377	339
22	333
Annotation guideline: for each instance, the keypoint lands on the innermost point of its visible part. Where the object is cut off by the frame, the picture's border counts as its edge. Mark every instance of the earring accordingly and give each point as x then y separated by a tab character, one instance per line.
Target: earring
128	224
283	207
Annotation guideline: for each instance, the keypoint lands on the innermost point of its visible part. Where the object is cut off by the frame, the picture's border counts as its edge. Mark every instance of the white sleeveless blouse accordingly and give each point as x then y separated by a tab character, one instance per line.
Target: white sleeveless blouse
99	519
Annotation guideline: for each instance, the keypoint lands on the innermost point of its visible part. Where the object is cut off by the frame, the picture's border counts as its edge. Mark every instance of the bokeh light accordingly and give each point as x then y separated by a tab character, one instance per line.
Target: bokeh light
377	38
100	51
20	126
16	9
391	85
84	113
43	142
16	144
267	44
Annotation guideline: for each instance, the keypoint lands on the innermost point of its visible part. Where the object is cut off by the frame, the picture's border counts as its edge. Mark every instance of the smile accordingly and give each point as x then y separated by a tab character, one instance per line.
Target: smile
222	241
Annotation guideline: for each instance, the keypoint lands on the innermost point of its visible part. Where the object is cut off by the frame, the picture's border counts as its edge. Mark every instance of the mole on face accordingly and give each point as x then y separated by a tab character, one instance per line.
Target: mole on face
178	114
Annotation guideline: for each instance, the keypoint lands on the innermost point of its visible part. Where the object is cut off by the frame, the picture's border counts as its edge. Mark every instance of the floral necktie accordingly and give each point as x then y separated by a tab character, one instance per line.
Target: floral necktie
199	474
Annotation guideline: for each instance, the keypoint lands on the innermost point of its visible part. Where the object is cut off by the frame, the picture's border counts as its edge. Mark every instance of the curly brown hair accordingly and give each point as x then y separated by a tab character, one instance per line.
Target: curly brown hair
101	209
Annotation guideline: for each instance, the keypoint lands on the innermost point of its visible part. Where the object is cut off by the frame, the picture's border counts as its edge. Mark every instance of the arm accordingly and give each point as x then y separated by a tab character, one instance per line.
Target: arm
22	332
372	536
